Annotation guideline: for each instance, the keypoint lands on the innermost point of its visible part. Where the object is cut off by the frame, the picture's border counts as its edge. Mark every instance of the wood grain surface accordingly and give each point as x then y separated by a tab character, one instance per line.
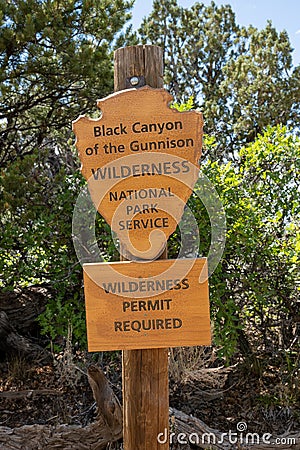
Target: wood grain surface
139	305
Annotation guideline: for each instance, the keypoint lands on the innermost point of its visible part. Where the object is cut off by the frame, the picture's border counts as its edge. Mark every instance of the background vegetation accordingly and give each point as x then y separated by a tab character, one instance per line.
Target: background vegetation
56	60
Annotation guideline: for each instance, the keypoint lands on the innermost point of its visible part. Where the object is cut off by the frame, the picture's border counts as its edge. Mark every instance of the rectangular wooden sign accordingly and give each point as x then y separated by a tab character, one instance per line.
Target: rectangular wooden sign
138	305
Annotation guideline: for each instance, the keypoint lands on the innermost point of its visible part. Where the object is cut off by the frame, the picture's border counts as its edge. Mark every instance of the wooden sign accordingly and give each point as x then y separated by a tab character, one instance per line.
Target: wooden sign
141	160
165	305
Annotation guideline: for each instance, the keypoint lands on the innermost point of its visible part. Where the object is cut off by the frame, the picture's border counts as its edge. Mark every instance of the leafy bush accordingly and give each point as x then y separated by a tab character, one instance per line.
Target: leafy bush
255	289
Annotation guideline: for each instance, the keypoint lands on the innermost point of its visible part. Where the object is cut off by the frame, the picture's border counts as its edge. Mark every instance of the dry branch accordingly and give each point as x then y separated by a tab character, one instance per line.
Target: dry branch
63	437
109	408
28	393
215	440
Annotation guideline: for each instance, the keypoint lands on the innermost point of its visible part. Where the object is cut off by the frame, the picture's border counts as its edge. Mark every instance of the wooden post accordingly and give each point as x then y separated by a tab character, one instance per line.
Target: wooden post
142	61
145	372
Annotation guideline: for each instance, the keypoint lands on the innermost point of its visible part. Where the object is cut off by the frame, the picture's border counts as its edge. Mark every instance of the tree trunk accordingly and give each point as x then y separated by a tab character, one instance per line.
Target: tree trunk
196	430
12	343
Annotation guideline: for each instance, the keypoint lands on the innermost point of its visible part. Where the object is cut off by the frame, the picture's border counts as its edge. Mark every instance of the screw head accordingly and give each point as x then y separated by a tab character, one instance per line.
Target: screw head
134	81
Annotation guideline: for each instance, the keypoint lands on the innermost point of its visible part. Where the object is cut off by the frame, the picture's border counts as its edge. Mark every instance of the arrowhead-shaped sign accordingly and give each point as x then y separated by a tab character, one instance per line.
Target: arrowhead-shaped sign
141	161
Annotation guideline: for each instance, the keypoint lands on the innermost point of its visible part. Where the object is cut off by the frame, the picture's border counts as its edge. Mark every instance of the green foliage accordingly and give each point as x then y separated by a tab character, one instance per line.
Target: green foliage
256	285
55	59
242	79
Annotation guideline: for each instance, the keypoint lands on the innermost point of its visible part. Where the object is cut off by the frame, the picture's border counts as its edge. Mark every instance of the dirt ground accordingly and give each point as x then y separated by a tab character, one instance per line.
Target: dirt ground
220	396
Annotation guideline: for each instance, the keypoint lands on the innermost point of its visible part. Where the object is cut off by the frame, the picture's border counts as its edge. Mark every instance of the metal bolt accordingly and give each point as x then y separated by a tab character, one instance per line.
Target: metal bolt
134	81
